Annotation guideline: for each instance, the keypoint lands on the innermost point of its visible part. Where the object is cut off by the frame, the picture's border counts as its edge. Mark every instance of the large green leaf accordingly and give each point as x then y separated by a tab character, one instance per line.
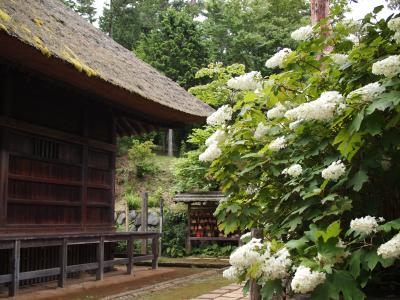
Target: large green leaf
271	288
358	180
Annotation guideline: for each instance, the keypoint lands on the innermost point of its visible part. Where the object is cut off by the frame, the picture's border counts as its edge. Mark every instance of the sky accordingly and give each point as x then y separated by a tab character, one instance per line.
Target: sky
358	9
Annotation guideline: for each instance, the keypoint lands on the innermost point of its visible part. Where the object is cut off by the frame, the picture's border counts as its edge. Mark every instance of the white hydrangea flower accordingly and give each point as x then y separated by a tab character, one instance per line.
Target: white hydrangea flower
232	273
334	171
245	237
247	255
368	92
303	33
278	111
217	137
390	249
276	266
365	225
219	117
295	124
211	153
261	130
305	280
394	24
353	38
277	144
322	109
339	59
388	67
352	24
248	81
396	37
278	59
294	170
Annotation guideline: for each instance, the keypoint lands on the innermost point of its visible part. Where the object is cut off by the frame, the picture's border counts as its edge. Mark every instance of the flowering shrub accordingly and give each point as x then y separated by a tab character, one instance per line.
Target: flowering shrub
310	155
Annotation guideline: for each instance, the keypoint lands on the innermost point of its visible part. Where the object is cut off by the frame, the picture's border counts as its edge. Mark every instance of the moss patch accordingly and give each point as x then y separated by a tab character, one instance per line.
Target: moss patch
4	16
70	56
38	22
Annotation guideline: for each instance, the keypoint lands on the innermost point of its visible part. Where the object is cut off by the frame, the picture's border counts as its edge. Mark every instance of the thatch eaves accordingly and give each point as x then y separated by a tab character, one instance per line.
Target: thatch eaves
64	37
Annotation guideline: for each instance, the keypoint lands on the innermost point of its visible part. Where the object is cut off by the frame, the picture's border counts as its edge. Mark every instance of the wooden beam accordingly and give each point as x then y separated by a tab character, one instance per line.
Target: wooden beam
100	259
129	267
154	249
54	134
144	219
63	263
4	160
15	268
129	126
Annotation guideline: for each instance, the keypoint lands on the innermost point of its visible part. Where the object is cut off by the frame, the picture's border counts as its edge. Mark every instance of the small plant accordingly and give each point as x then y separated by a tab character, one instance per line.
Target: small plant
214	250
141	158
174	234
133	200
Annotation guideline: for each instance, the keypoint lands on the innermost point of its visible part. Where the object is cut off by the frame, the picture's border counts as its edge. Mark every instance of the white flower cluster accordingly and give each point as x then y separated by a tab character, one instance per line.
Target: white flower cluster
232	273
278	111
277	144
248	81
353	38
217	137
261	130
334	171
294	170
339	59
303	33
219	117
368	92
211	153
295	124
278	59
247	255
246	237
365	225
352	24
390	249
275	266
322	109
388	67
394	24
305	280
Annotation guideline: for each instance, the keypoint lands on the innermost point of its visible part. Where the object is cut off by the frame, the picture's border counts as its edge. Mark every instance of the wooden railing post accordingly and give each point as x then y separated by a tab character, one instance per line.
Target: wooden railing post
100	259
255	289
63	263
144	216
15	266
154	249
129	267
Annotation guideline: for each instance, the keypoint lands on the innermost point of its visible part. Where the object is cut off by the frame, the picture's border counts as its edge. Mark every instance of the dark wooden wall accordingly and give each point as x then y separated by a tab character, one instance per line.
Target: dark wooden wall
57	157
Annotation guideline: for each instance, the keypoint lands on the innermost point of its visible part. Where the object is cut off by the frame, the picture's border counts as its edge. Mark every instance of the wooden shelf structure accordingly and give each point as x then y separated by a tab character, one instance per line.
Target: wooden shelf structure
202	225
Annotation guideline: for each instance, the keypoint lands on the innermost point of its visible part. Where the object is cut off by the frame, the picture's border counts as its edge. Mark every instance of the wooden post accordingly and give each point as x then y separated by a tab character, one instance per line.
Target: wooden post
63	263
170	142
15	266
154	249
129	267
100	259
126	217
255	289
188	241
4	160
161	225
144	216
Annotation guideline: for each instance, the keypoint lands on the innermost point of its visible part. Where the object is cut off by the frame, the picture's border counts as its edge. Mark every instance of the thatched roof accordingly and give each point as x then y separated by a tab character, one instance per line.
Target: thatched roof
62	35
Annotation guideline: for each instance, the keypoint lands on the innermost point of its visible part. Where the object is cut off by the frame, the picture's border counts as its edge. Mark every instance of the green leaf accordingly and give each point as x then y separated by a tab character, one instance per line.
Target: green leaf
297	244
356	124
389	226
358	180
355	262
372	259
345	284
378	9
271	288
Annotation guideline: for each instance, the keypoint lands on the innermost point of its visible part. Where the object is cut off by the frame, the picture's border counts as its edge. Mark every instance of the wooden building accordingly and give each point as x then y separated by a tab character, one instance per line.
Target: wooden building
202	224
67	91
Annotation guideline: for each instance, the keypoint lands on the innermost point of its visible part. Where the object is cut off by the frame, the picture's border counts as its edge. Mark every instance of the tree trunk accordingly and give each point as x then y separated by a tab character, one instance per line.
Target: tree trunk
319	10
170	142
255	289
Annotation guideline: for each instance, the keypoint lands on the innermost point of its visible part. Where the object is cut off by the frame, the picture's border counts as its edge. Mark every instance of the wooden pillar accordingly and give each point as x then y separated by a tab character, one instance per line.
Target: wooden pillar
154	249
4	160
63	263
188	241
161	225
319	10
170	142
15	268
129	267
100	259
255	289
84	169
113	167
144	219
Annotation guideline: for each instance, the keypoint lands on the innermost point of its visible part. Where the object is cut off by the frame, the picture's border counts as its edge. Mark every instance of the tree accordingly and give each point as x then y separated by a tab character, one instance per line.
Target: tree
126	20
249	31
175	48
85	8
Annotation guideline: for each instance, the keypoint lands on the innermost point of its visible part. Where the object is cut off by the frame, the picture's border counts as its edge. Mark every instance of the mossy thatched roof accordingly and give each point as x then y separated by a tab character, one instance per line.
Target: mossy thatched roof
58	32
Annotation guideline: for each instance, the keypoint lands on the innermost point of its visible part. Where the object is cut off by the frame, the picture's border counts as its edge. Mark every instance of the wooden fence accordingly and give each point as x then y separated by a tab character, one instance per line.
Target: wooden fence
17	242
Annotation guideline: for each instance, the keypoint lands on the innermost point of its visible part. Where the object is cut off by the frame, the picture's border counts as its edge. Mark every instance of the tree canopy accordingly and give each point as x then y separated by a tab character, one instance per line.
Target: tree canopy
85	8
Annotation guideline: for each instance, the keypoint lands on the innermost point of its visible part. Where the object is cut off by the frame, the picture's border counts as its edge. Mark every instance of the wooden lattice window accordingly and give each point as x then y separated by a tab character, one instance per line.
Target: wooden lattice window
46	148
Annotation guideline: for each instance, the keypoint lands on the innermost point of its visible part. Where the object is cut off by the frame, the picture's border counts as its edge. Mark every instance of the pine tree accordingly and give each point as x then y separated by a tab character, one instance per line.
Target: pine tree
84	8
176	48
